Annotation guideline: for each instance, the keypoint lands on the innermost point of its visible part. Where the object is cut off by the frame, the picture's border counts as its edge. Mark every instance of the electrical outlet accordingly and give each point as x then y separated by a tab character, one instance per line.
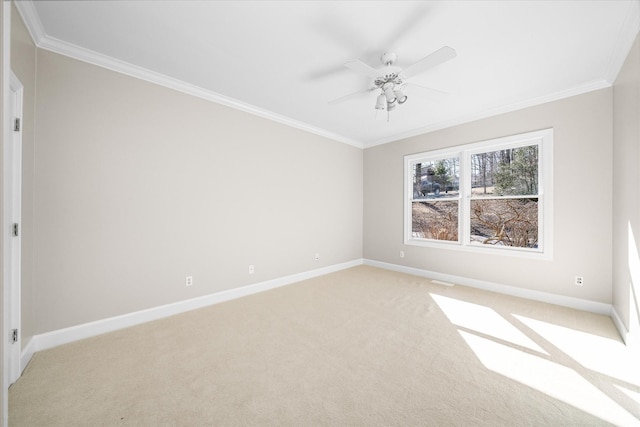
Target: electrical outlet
401	254
189	280
317	257
252	269
579	280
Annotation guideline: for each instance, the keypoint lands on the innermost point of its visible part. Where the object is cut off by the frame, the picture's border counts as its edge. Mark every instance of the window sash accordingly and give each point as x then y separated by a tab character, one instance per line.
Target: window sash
542	139
441	227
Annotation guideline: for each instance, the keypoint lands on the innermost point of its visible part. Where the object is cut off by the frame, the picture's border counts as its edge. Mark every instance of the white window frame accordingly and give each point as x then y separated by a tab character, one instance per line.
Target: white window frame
544	140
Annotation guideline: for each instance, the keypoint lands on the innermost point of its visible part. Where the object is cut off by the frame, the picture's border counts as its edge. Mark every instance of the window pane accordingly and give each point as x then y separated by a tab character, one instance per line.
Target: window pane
437	179
509	172
506	222
436	220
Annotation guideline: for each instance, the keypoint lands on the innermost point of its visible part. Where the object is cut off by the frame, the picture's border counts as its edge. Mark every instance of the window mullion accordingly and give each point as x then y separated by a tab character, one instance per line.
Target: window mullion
465	197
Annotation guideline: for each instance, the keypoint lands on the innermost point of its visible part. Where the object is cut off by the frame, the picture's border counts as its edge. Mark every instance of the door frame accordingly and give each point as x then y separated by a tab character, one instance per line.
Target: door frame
12	203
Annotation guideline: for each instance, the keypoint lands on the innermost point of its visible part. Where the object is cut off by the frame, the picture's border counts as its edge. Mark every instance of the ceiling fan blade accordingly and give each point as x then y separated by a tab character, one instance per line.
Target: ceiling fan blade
351	95
430	93
414	19
362	68
438	57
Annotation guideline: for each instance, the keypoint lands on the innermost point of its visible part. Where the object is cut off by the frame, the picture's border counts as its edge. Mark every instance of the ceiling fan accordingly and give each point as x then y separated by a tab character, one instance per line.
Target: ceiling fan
391	80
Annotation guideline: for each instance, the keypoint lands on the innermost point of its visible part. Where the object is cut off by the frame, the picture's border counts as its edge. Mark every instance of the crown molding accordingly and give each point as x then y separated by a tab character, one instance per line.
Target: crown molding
76	52
626	38
32	21
85	55
28	12
556	96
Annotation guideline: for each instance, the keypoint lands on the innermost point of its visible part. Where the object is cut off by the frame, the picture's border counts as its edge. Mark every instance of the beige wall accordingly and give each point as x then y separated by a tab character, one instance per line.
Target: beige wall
626	191
582	200
138	186
23	65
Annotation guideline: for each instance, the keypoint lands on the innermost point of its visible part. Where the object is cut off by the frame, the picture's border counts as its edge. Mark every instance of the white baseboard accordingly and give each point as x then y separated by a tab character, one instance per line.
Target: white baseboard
26	354
630	338
571	302
617	321
63	336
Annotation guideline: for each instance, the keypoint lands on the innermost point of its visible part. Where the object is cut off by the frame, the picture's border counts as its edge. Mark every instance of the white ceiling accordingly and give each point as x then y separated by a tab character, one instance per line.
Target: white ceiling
284	59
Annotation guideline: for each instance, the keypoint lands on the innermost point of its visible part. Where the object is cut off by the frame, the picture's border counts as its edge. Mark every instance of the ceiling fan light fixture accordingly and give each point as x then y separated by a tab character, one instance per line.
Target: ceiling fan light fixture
391	81
391	97
400	96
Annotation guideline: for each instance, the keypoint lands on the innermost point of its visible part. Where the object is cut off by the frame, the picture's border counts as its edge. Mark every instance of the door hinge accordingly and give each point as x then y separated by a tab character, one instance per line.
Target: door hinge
14	336
16	124
16	229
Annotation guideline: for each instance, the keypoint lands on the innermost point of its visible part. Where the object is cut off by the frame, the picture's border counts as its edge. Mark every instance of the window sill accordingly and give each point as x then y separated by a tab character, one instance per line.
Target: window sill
482	249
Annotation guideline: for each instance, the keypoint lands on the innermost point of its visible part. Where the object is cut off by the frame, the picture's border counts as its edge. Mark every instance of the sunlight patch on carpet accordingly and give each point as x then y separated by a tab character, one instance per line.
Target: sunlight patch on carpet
484	320
633	395
591	351
547	377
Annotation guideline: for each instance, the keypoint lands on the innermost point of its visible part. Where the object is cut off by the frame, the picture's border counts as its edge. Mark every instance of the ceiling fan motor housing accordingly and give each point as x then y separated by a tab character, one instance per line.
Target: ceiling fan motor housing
392	77
388	79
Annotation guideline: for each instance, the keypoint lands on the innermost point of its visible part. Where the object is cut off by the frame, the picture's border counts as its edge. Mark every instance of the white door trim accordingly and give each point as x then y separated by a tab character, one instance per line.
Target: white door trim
12	193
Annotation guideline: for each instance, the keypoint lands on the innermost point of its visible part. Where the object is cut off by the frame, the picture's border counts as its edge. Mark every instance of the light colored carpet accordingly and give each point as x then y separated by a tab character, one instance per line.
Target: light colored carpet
361	347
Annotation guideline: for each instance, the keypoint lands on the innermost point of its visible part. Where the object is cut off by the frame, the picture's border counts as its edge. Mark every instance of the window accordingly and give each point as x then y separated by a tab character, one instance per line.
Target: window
493	196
